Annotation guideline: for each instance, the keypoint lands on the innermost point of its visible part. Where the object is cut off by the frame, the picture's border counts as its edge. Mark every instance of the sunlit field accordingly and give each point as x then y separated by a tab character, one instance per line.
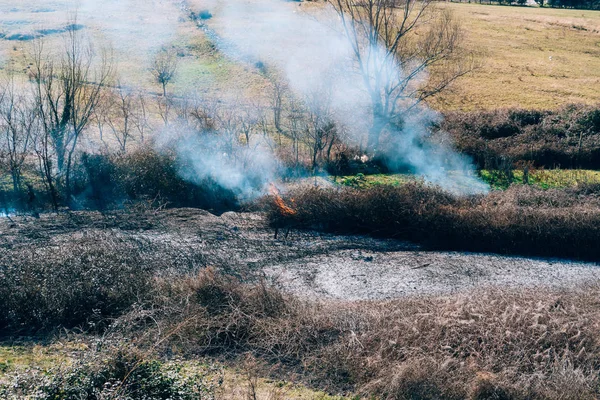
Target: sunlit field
532	58
272	200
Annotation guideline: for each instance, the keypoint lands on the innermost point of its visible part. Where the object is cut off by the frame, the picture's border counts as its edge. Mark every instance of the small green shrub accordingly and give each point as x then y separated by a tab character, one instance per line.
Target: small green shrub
124	373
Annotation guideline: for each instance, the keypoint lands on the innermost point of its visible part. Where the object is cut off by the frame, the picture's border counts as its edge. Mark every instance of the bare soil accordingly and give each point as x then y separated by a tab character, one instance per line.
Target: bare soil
306	263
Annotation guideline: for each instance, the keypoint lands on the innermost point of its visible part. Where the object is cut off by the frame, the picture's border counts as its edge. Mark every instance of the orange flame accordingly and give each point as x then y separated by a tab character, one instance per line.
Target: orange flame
284	209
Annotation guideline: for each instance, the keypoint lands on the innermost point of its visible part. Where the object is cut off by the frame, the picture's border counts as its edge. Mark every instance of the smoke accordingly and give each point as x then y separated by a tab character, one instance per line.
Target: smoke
307	48
436	161
134	27
315	58
244	170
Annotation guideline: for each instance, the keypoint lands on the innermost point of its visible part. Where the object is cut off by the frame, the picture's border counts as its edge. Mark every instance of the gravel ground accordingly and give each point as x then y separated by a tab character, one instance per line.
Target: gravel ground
308	264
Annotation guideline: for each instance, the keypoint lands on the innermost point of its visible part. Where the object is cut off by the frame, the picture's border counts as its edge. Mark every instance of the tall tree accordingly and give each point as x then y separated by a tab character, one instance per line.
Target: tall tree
395	42
18	125
68	87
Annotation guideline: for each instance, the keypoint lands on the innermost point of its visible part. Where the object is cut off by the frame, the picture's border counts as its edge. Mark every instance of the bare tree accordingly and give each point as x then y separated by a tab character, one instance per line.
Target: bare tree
18	125
120	116
164	68
277	104
296	127
68	87
251	118
394	42
320	127
141	118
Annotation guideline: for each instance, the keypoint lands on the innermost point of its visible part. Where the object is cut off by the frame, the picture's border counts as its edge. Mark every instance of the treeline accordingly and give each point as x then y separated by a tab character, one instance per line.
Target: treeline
71	135
577	4
567	138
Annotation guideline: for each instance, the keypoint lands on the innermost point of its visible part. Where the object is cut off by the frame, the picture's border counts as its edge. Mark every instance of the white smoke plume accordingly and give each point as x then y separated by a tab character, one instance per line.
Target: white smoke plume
312	53
246	171
308	49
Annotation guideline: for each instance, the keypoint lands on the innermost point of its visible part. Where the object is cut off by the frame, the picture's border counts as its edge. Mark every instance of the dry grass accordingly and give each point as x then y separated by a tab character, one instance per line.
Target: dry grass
487	344
202	68
533	58
484	344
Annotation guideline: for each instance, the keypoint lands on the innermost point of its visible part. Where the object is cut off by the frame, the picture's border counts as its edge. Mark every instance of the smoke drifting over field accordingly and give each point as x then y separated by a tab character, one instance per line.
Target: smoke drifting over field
135	28
308	51
317	61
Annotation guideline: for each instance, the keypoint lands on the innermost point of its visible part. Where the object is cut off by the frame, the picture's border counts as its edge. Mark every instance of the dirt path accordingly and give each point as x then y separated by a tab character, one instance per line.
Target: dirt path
308	264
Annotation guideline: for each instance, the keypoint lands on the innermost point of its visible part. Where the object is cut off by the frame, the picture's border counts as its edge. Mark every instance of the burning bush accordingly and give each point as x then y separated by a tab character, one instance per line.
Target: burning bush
521	220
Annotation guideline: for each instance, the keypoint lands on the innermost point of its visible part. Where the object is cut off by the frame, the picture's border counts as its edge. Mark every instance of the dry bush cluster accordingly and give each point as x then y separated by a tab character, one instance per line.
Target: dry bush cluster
521	220
107	181
82	282
489	344
568	137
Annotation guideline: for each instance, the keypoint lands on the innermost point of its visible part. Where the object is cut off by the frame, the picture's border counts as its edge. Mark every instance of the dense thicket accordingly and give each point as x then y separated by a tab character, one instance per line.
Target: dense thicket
521	220
567	138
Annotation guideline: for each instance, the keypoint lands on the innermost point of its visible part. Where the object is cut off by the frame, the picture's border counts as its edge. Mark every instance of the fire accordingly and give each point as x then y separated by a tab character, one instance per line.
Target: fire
284	209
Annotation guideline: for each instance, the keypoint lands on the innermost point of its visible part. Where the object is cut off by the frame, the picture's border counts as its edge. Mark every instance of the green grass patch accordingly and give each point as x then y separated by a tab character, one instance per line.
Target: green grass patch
544	179
363	181
29	359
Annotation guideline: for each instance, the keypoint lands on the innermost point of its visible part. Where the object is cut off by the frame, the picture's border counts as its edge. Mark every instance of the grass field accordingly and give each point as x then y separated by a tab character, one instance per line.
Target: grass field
532	58
133	33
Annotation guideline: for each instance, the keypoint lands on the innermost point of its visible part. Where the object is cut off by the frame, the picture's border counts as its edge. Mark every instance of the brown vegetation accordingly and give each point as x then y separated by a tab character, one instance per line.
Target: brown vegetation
521	220
484	345
150	302
566	138
487	344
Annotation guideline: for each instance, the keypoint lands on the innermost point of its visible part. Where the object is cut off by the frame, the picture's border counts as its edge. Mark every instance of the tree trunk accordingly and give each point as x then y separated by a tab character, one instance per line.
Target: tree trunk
379	123
16	178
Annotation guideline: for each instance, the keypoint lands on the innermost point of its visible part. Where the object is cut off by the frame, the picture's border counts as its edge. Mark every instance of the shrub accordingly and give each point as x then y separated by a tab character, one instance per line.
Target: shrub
94	277
205	14
521	220
122	372
105	182
568	137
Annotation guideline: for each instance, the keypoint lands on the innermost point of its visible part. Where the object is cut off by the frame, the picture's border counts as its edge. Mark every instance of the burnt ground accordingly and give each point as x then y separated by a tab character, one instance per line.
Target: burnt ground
307	263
